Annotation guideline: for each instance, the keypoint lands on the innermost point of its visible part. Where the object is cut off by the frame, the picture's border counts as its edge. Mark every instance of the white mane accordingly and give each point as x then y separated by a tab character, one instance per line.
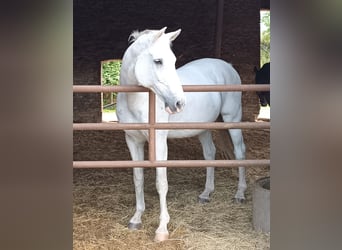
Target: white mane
136	34
146	34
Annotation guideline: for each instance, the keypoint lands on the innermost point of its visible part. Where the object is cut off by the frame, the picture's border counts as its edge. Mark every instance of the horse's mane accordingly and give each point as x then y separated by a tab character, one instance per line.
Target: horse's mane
136	34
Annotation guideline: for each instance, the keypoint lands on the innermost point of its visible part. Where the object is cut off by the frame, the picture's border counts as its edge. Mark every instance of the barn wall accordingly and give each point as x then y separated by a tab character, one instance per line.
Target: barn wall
101	29
240	45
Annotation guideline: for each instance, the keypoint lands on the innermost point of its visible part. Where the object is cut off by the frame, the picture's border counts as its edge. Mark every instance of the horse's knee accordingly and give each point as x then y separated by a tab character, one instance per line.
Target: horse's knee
161	181
162	187
239	145
138	176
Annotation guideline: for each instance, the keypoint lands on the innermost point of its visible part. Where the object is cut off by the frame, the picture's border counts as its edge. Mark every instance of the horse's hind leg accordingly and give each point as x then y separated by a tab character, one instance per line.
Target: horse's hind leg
209	152
239	151
136	149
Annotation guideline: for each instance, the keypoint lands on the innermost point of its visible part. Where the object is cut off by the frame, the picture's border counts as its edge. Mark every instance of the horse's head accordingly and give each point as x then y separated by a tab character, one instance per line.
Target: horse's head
155	69
262	76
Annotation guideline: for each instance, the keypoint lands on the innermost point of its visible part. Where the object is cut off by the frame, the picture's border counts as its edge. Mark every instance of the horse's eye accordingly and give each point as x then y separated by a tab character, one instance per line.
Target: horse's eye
158	61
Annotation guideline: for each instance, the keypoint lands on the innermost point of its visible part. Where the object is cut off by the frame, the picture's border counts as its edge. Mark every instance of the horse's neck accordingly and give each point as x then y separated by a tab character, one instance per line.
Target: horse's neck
137	101
127	75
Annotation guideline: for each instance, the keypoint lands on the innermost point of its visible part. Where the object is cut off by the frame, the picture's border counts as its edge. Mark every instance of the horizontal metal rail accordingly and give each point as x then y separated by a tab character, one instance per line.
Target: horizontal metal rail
171	125
170	163
152	126
186	88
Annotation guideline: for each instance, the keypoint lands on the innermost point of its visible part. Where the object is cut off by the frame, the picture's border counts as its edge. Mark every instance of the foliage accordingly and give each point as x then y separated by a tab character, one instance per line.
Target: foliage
110	77
265	45
111	73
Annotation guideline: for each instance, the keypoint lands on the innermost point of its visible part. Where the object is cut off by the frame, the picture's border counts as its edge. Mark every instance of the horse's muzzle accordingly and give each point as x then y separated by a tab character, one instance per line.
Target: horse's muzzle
175	108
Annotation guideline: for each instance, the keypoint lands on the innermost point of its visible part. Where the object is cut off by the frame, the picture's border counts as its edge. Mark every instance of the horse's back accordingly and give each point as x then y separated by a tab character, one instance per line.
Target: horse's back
208	71
206	106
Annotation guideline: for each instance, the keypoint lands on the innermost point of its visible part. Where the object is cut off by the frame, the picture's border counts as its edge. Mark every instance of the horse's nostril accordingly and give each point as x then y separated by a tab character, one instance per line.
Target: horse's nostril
179	104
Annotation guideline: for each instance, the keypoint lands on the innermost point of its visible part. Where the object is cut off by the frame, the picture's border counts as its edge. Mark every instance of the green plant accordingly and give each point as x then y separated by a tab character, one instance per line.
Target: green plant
110	77
111	73
265	45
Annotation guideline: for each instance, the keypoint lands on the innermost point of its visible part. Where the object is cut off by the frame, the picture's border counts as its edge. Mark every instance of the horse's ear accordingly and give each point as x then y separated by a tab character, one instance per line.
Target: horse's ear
173	35
163	30
159	34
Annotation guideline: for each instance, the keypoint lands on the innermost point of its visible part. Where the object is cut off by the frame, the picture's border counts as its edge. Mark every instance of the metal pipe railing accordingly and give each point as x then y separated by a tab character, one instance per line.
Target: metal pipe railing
152	130
171	163
152	126
171	125
186	88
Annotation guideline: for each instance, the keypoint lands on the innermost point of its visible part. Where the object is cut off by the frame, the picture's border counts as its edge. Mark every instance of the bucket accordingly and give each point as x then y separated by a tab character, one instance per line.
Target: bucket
261	205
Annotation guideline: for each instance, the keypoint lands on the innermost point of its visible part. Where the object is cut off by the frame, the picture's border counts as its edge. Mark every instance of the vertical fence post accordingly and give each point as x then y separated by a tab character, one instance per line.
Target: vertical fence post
152	123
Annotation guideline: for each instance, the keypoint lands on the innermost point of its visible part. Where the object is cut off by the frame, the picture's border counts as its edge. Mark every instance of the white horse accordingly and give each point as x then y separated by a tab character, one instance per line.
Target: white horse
150	62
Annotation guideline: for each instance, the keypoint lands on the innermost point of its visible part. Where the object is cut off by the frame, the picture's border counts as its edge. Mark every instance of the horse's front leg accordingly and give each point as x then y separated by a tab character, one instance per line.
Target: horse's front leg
136	149
162	187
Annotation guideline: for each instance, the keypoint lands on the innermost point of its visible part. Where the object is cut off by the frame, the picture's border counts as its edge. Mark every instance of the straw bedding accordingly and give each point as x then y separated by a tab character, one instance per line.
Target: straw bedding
104	201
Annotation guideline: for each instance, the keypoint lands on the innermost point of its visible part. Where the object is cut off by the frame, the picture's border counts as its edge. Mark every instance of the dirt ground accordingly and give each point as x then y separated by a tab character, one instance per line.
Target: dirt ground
104	201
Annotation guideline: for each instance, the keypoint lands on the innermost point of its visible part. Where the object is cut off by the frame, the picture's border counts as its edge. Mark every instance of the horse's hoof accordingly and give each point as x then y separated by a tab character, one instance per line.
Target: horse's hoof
134	226
161	237
203	200
239	200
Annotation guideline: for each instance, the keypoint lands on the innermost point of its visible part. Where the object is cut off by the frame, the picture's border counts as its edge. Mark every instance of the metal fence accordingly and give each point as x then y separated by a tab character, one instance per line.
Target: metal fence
152	126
